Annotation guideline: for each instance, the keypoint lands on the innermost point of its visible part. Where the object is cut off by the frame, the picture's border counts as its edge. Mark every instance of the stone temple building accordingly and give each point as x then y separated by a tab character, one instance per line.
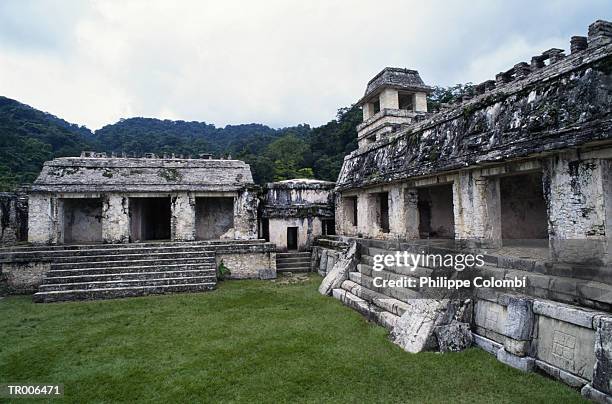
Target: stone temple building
294	214
296	211
520	171
94	198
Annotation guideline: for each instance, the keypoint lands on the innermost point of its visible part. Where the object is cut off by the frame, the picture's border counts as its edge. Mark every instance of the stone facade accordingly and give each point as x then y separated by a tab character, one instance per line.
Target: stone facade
121	200
302	206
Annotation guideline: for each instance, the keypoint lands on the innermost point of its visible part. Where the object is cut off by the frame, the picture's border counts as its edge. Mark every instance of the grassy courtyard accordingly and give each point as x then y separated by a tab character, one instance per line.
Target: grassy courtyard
248	341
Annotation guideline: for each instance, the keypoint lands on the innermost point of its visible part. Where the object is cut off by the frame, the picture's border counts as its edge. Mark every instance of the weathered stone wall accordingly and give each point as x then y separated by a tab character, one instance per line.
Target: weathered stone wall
21	277
82	220
249	265
214	217
13	218
183	217
307	229
245	215
115	218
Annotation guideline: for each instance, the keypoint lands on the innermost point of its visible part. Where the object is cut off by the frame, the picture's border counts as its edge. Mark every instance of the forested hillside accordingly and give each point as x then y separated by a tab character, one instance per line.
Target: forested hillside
29	137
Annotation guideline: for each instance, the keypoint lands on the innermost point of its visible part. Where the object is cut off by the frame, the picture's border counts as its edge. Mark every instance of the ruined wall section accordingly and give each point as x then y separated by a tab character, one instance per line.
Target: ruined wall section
13	218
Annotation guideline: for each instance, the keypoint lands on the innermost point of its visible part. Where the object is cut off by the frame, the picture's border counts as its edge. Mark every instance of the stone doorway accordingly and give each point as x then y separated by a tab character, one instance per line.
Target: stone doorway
292	238
150	218
82	221
523	208
436	215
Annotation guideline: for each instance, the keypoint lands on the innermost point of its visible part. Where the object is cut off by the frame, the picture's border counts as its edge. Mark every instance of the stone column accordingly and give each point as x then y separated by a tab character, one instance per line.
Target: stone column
577	194
367	215
389	98
411	213
339	214
245	215
42	219
183	217
476	204
397	212
115	218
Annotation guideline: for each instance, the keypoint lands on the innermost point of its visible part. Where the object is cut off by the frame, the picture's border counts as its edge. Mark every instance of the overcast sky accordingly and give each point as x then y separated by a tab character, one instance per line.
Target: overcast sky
279	63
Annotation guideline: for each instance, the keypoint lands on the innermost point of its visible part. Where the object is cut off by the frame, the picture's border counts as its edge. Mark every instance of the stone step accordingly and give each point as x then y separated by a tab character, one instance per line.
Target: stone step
112	293
125	257
293	269
107	251
116	276
125	283
79	271
292	264
293	259
52	255
78	247
372	312
394	306
401	294
305	254
206	260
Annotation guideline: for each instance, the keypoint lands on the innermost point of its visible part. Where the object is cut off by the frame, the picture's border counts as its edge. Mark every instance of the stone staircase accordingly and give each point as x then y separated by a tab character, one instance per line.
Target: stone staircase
104	271
383	305
293	262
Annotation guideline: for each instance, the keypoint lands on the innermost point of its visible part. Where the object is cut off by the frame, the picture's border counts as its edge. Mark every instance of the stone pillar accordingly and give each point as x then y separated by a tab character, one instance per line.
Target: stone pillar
339	214
577	194
367	223
245	215
115	218
389	98
420	102
368	110
397	212
411	213
42	219
183	217
602	372
476	204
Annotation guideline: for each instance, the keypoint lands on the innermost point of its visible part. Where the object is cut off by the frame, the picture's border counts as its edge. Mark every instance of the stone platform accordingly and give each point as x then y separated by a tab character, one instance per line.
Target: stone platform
102	271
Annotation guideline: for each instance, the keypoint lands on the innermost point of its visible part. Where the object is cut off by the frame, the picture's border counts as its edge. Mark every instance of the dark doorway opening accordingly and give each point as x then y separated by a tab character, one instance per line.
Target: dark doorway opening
329	227
523	208
82	220
150	218
436	215
292	238
383	201
265	229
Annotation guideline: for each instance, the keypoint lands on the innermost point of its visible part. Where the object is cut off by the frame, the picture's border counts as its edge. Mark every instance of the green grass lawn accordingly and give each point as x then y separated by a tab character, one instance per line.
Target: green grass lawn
248	341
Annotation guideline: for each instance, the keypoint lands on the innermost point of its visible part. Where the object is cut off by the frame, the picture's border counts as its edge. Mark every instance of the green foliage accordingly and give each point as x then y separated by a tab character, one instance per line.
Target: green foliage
447	95
29	137
223	271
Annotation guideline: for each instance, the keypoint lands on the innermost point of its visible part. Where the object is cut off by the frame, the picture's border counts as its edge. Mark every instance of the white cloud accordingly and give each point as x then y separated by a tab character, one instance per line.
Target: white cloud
277	62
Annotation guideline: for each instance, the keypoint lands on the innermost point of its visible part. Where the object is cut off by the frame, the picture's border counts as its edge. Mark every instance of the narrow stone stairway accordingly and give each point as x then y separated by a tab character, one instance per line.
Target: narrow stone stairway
293	262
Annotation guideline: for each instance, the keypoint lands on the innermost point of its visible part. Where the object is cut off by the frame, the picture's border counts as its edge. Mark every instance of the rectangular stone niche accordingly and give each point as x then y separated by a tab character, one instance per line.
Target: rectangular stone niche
523	208
214	217
436	217
82	220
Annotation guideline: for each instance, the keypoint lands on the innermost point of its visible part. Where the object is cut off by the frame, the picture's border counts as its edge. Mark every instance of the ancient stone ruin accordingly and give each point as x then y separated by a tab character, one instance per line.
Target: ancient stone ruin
517	171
